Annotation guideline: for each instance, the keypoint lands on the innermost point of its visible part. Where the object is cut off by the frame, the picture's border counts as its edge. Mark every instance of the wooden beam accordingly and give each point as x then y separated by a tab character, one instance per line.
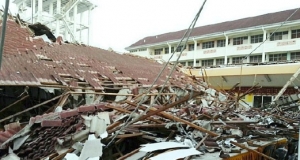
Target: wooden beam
3	109
251	150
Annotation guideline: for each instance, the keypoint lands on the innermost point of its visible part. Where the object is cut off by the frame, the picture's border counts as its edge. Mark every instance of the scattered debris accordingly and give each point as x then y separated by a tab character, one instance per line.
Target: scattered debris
79	102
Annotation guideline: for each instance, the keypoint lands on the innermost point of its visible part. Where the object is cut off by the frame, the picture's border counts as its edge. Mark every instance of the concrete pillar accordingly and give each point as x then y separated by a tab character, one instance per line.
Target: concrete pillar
23	5
170	47
89	25
195	50
40	10
75	22
51	8
19	6
226	47
249	39
80	31
58	11
33	11
288	56
58	6
289	33
263	46
67	34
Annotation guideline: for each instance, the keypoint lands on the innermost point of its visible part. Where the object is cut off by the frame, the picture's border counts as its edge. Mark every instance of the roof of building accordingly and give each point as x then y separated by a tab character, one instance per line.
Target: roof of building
260	20
28	60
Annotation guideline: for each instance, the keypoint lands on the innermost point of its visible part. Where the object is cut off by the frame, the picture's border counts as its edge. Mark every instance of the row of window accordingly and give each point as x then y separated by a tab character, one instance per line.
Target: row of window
143	49
239	40
135	50
140	50
252	59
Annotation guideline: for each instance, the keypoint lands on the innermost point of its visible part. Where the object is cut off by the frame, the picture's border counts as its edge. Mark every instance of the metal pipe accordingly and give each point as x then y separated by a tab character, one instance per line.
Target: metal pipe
3	29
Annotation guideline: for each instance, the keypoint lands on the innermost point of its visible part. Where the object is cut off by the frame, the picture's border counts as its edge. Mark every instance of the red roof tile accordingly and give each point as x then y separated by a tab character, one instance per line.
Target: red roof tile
10	130
28	61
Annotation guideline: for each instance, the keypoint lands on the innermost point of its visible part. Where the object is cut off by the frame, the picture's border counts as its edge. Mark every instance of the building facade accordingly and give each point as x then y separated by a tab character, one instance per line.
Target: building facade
68	18
222	48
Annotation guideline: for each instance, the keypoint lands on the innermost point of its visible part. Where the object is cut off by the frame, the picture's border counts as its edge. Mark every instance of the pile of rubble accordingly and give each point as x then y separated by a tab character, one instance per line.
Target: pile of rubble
195	123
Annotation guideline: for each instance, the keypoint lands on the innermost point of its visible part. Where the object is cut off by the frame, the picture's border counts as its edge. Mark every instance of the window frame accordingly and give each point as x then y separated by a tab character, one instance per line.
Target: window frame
179	48
239	40
295	56
222	60
256	38
221	43
205	63
208	44
278	35
158	51
190	62
234	59
255	59
295	33
191	47
167	50
278	57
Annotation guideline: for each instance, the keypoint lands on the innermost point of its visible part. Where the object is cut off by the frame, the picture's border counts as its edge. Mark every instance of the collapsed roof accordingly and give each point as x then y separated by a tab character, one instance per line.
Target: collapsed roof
188	118
28	60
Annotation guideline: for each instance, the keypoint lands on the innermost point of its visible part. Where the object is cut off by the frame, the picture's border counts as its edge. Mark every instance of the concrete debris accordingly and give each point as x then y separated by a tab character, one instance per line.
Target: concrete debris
78	102
182	128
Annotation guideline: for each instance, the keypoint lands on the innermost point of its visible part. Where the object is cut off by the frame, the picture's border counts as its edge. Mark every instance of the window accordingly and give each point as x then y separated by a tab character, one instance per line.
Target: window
133	50
190	63
260	101
167	50
220	61
257	38
221	43
278	35
191	47
237	60
296	33
179	48
157	51
172	49
209	44
209	62
295	56
257	58
277	57
143	49
239	40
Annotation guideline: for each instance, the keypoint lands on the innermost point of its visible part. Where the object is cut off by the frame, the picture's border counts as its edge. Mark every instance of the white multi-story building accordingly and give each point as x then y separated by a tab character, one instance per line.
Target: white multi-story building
228	42
220	50
68	18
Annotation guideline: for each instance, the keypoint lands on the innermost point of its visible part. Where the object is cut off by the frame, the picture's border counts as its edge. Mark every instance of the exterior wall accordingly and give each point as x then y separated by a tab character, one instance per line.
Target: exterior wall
286	45
279	73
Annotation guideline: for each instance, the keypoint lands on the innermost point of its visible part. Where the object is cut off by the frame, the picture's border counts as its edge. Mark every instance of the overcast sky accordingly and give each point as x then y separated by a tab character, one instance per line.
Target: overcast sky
120	23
